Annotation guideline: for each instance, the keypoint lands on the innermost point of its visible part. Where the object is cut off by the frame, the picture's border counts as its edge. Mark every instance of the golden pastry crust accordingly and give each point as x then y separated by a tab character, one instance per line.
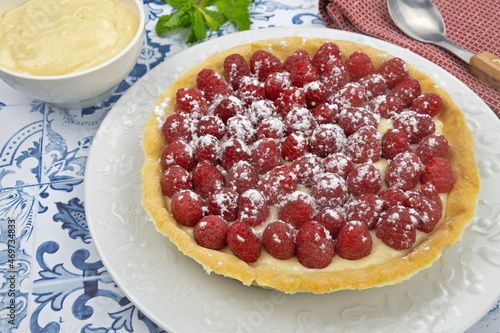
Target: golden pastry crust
459	209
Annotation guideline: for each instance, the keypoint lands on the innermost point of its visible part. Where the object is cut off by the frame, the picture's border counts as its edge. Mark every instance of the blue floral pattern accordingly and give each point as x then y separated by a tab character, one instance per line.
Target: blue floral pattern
61	283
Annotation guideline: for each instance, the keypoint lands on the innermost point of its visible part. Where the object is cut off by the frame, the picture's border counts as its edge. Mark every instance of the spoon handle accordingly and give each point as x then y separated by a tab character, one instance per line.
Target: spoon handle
486	67
459	51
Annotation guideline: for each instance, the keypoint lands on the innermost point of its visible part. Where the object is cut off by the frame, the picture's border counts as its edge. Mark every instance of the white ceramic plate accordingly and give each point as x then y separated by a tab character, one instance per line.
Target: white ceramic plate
177	294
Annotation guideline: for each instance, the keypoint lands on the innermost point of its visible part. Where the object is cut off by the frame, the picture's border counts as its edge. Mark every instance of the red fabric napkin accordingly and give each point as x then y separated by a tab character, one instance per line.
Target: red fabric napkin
472	24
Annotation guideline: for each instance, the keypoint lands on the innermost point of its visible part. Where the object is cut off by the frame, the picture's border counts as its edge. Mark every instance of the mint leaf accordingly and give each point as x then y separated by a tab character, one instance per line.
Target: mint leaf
209	20
219	17
207	3
195	14
180	3
198	27
172	21
236	11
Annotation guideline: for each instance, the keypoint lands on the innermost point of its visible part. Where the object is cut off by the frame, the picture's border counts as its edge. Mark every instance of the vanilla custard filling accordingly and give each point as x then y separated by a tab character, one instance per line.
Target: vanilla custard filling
55	37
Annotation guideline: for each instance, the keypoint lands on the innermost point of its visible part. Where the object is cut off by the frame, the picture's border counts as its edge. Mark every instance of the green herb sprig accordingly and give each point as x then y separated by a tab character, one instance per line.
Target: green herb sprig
195	14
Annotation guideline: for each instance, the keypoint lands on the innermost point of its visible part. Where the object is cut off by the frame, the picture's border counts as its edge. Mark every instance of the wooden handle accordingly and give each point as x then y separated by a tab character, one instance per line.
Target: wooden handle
486	67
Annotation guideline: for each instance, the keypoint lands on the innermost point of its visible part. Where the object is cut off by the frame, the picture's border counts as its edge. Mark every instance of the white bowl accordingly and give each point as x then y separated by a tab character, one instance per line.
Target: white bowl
81	89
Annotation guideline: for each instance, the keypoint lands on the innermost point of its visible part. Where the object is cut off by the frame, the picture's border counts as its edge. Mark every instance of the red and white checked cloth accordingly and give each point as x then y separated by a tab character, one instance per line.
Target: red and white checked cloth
472	24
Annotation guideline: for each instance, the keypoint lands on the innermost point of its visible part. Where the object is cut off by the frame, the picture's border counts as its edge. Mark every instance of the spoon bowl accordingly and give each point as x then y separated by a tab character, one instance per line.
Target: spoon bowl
421	20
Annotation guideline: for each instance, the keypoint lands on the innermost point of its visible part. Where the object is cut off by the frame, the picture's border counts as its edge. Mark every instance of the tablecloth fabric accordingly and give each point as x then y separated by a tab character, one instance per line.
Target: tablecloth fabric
473	25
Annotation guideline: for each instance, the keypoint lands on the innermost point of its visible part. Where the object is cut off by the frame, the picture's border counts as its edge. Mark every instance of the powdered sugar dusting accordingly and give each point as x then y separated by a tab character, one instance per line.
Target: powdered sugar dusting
159	111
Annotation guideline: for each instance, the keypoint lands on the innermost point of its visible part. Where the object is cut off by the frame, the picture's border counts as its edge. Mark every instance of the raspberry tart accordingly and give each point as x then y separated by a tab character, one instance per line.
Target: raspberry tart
309	165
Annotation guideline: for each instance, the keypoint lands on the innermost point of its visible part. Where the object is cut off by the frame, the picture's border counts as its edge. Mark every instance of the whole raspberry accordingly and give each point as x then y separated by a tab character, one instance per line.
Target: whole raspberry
241	128
315	247
207	149
397	227
206	178
203	76
265	155
415	125
178	153
428	103
327	139
334	75
429	190
243	242
213	85
291	98
191	102
235	67
260	111
353	118
433	145
303	73
407	91
365	208
263	63
359	65
294	146
187	208
233	151
278	239
394	71
339	164
307	168
374	85
211	125
316	94
366	178
276	84
277	183
403	171
271	128
250	90
394	141
329	191
175	179
227	107
439	173
177	127
332	220
325	113
364	145
387	106
294	58
224	203
392	197
252	208
297	209
326	53
350	95
429	210
354	241
242	177
211	232
300	120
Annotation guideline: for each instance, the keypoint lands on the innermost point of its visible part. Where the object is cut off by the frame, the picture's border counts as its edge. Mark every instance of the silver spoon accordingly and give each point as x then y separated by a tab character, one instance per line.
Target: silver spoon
421	20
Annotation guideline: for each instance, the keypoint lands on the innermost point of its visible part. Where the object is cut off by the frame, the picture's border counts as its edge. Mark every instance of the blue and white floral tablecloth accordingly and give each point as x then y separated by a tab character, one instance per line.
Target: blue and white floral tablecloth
56	279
